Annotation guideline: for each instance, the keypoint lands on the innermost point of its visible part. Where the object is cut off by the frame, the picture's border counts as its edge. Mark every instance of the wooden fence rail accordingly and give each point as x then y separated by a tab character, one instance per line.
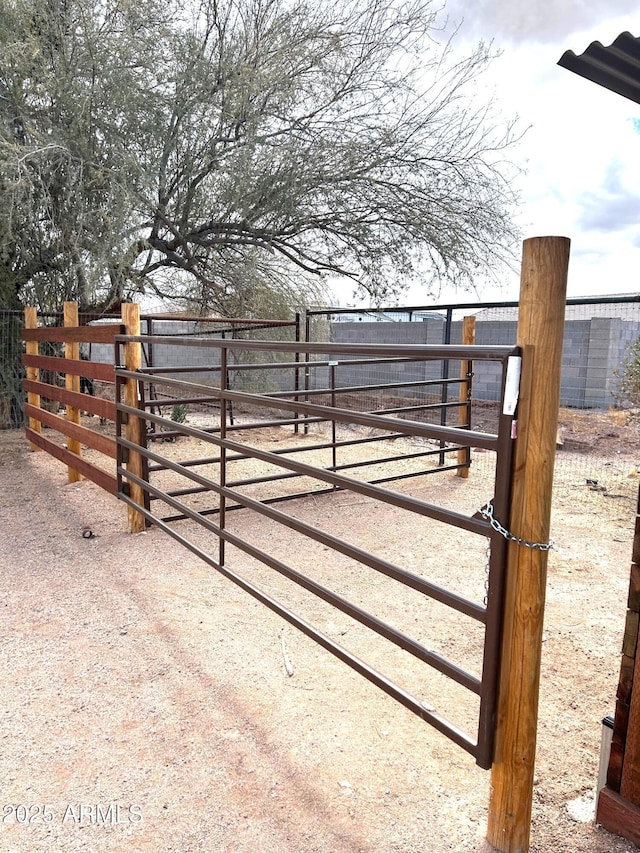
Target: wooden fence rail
42	371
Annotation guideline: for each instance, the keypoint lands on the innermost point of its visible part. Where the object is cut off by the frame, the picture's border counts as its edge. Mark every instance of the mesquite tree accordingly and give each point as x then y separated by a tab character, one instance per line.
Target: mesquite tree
221	148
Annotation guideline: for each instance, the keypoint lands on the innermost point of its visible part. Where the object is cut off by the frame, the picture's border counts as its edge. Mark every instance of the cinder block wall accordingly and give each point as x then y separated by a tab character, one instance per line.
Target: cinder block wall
593	350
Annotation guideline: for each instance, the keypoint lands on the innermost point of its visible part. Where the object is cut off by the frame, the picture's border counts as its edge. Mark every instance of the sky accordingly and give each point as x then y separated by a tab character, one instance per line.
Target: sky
581	152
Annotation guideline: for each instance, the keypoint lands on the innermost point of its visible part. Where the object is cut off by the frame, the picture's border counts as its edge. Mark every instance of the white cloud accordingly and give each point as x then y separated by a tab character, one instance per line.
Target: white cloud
520	22
614	205
582	152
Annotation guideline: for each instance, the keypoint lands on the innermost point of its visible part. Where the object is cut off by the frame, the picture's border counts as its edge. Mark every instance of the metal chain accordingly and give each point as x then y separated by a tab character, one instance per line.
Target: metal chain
487	512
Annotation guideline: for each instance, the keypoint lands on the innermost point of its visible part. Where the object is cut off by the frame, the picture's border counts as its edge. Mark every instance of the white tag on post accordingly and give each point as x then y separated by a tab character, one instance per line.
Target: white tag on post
512	385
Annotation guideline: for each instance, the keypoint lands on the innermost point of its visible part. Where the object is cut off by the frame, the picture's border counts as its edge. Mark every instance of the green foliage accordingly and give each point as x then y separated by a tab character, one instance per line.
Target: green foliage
222	149
179	413
628	376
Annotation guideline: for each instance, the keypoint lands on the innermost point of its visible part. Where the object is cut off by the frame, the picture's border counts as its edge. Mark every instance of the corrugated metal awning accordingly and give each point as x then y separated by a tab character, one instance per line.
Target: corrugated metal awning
616	67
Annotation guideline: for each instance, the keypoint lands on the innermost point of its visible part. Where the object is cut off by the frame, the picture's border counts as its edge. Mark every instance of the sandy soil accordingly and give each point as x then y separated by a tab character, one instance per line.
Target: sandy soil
147	705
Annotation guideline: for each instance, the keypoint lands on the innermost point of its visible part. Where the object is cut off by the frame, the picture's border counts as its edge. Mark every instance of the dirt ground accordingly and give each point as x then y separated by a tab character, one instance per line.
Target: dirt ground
149	705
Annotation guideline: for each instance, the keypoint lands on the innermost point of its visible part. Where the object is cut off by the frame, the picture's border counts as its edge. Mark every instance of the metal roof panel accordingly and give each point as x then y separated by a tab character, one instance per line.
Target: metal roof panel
616	67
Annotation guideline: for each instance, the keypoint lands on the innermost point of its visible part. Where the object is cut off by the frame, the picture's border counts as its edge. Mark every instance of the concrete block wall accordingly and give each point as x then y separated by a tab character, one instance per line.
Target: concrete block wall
575	356
599	361
383	333
593	350
487	375
624	336
165	355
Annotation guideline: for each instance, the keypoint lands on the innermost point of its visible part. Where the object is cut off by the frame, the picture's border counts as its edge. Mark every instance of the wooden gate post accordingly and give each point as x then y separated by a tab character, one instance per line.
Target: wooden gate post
33	373
468	337
72	383
543	282
134	430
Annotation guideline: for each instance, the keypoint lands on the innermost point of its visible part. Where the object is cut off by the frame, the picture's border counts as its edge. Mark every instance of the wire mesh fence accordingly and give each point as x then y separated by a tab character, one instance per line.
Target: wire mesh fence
597	335
12	396
11	371
598	432
202	363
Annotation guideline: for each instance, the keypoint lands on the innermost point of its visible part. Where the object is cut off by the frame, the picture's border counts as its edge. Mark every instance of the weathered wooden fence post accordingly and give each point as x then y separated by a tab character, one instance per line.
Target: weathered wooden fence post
33	373
134	430
72	383
468	337
618	805
540	331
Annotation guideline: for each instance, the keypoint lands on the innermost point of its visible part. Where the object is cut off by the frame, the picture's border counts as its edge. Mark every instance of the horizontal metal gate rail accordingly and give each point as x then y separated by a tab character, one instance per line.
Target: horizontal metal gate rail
294	408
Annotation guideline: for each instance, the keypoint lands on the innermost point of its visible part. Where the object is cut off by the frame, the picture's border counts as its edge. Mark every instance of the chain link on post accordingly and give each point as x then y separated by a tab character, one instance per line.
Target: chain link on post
487	512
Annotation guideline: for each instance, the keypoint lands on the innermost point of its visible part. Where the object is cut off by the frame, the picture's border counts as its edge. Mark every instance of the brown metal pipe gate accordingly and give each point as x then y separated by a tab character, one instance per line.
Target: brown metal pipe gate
296	408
